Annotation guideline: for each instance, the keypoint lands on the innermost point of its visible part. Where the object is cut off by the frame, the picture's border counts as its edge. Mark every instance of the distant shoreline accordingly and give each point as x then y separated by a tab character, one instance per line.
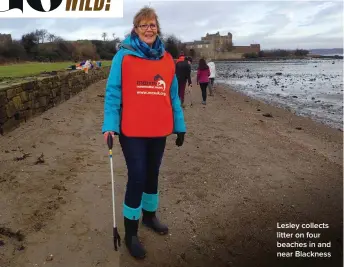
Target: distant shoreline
282	58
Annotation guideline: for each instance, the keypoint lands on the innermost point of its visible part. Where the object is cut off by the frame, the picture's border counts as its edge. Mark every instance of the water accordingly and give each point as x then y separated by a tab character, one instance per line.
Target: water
312	88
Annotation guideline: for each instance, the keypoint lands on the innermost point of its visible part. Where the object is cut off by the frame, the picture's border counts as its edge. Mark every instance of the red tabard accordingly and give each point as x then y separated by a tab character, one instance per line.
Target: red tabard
181	58
146	102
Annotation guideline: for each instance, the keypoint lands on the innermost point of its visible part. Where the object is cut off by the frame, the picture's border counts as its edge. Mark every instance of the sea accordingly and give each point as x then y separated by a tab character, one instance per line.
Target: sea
312	88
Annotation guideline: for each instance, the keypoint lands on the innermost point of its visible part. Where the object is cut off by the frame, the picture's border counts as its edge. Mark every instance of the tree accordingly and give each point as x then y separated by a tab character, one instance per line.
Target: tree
44	35
172	45
41	35
51	37
250	55
58	39
30	42
104	35
66	50
107	49
301	52
13	50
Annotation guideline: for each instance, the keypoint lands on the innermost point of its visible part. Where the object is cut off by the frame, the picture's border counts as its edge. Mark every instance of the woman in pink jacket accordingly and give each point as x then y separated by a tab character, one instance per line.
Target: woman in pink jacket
203	73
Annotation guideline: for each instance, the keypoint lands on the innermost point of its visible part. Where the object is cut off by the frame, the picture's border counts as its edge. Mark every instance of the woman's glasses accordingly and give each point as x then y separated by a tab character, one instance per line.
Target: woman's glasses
145	26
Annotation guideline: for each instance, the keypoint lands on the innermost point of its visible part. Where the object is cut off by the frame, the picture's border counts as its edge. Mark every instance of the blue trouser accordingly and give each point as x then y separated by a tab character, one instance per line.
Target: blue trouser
143	157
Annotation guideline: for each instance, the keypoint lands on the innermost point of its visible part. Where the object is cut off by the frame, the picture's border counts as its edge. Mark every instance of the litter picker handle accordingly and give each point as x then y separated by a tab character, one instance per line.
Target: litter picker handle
109	141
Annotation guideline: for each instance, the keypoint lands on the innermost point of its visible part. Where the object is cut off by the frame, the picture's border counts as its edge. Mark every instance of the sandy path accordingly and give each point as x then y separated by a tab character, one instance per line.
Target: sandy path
237	175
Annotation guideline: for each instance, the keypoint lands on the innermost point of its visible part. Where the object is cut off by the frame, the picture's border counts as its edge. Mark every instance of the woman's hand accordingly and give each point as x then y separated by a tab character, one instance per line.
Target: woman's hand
180	139
106	134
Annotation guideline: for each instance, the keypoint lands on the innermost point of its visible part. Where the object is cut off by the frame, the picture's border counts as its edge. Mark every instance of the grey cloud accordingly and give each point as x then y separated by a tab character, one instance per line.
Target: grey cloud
181	17
308	43
326	15
273	22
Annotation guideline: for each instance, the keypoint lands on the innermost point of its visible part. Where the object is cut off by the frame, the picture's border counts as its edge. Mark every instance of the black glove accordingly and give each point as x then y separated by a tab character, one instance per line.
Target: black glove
180	139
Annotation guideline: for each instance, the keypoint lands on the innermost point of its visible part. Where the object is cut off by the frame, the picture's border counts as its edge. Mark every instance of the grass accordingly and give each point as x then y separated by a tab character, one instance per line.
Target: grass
34	68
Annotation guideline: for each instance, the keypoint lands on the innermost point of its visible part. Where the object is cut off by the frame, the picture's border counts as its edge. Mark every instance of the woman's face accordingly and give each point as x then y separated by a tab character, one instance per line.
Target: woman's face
147	31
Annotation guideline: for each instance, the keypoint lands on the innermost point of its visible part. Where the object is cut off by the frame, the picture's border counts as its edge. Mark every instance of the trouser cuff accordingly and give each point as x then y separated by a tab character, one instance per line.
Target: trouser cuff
150	202
131	213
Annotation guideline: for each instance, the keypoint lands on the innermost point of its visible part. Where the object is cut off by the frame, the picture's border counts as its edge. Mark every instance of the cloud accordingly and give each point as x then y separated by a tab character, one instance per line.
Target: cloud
202	23
282	24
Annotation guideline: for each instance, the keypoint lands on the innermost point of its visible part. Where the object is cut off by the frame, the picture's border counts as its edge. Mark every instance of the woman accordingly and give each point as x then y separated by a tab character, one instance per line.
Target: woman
212	76
142	107
203	74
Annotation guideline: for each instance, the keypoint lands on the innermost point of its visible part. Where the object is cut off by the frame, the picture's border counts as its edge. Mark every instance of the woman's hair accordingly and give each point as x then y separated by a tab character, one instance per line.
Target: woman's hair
146	13
202	65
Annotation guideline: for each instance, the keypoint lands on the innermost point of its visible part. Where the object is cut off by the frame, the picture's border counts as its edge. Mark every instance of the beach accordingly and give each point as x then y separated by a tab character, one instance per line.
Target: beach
246	167
311	88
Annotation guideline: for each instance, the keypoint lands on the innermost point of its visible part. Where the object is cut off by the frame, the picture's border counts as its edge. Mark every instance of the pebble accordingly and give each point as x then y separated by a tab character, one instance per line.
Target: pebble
50	257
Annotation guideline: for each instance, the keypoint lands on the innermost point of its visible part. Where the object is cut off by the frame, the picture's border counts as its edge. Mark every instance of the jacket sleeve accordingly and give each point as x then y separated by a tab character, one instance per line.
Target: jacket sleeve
113	95
178	115
197	77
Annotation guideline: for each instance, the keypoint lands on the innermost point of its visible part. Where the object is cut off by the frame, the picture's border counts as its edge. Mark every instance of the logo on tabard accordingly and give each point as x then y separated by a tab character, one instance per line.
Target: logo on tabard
156	86
156	83
160	81
61	8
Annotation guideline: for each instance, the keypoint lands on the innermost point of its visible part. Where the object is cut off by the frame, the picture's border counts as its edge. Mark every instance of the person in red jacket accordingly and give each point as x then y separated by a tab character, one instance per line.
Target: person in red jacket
183	73
203	73
181	57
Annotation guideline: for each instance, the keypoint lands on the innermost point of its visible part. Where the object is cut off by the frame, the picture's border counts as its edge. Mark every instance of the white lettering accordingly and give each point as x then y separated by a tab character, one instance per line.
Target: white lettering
288	225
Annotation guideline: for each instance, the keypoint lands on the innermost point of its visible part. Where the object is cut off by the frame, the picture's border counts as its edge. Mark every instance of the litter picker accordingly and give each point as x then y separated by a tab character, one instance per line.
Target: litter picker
190	93
116	237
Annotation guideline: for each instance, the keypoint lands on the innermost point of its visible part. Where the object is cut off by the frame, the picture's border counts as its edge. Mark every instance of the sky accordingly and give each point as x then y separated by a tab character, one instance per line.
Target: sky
272	24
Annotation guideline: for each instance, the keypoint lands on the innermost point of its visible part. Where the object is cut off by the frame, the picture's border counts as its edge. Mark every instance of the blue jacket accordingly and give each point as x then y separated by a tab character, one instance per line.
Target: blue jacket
113	94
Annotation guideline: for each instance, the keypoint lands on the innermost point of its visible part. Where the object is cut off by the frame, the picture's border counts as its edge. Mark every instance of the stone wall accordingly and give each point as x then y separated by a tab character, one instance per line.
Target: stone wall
208	51
21	101
227	55
255	48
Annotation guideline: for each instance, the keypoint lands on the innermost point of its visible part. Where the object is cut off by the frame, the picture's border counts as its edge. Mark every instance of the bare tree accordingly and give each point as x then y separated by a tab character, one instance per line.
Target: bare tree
41	35
38	34
116	39
104	35
44	35
58	39
51	37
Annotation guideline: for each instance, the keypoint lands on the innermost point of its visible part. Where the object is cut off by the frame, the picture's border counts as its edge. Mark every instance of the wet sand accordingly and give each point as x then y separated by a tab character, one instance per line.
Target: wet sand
244	167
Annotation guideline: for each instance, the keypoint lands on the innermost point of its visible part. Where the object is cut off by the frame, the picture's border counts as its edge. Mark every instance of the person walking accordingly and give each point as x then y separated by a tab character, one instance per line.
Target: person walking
203	73
142	108
183	73
181	57
212	76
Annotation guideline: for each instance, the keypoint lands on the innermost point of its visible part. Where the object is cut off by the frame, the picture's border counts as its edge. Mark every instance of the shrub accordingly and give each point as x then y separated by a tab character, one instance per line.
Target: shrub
250	55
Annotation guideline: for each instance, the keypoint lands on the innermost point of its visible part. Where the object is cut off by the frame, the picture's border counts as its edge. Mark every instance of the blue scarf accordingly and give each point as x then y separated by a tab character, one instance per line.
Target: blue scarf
155	52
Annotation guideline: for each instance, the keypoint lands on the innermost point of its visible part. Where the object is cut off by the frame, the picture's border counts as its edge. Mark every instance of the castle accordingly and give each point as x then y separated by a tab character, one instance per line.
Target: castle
218	47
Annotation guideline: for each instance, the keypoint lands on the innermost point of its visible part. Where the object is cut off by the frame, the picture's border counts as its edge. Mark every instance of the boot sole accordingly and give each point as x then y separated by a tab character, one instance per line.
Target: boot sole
136	257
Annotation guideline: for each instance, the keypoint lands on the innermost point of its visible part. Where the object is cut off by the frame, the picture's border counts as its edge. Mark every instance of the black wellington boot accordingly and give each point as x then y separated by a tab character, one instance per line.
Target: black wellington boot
150	220
131	239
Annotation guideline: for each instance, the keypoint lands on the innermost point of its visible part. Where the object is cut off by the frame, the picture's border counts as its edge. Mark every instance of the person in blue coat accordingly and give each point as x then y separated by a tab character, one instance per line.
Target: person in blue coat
143	155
